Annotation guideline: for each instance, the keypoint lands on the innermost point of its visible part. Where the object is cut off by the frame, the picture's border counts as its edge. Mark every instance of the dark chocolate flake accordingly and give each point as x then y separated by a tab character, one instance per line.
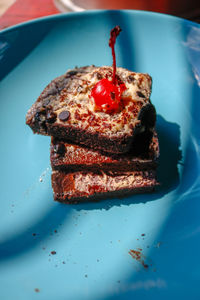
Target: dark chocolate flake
99	76
64	115
51	117
42	110
72	73
59	149
37	116
130	78
140	94
50	91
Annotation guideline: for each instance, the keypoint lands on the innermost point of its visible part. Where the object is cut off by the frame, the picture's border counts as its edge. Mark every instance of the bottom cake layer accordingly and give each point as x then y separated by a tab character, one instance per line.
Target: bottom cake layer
80	186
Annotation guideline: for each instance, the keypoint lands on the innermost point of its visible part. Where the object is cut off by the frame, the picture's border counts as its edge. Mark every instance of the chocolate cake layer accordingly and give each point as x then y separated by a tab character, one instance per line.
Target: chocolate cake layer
80	186
70	158
66	110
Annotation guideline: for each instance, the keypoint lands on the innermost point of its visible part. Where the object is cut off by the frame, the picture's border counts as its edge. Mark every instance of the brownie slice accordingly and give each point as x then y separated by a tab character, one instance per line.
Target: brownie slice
80	186
66	110
70	158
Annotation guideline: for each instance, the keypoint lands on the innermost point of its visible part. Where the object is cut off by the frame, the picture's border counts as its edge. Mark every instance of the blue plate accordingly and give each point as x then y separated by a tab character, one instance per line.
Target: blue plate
133	248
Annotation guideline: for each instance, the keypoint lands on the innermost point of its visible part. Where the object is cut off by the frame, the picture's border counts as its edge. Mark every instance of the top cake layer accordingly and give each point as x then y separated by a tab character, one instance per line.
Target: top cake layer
66	109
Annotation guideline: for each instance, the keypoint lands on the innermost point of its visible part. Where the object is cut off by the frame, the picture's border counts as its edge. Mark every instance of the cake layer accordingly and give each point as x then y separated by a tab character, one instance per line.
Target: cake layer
67	110
80	186
69	157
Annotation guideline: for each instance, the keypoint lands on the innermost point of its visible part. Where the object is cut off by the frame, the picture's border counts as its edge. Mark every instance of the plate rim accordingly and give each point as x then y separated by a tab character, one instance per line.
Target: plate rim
67	15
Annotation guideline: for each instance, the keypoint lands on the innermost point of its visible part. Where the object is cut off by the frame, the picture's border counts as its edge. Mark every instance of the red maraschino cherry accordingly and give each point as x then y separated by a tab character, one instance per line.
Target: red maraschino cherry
106	93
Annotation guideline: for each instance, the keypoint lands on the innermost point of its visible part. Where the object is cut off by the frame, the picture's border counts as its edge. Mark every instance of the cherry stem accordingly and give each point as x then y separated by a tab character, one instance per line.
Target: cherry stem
113	35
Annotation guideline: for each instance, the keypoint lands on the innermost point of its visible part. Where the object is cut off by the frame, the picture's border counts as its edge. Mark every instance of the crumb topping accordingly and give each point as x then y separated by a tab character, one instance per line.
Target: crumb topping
68	101
76	99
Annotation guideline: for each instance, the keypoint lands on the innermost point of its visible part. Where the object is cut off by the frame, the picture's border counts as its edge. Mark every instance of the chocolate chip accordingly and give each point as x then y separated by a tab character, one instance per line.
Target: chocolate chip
40	114
59	149
37	116
140	94
130	78
119	80
64	115
51	117
72	72
99	76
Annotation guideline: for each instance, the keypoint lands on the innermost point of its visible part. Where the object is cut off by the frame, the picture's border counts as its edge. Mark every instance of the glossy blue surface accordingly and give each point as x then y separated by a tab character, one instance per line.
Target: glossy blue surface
92	241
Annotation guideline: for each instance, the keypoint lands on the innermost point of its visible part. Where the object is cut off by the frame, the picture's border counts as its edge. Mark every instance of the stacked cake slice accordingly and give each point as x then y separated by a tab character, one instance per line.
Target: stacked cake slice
95	151
80	173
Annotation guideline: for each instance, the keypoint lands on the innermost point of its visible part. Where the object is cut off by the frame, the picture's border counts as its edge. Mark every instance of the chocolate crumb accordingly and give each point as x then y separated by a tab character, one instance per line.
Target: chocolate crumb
55	231
158	245
137	255
37	290
64	262
143	234
98	75
34	234
53	252
64	115
145	265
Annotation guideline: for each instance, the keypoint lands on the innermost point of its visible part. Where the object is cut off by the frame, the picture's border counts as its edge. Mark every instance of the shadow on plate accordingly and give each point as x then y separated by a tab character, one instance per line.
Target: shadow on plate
33	235
15	39
169	139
